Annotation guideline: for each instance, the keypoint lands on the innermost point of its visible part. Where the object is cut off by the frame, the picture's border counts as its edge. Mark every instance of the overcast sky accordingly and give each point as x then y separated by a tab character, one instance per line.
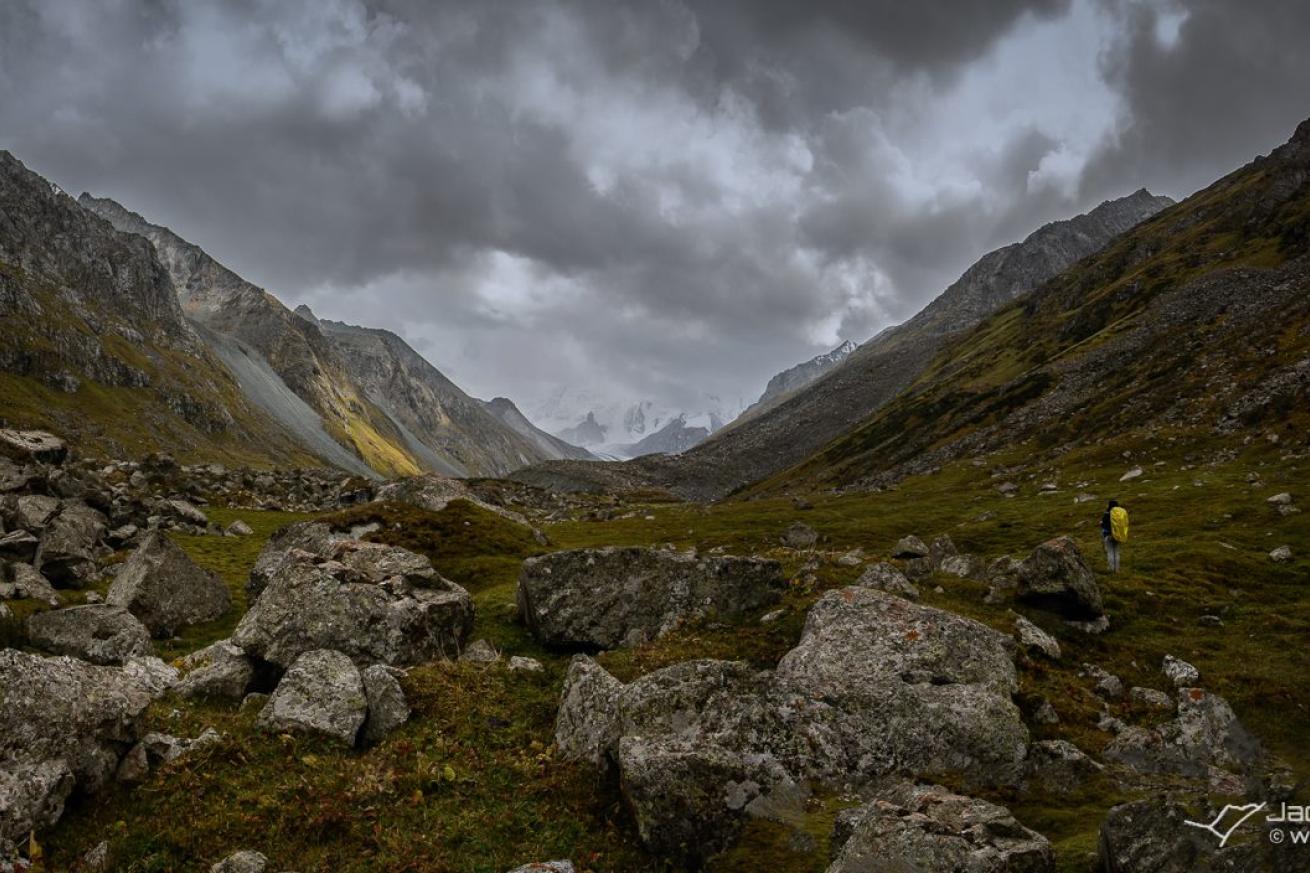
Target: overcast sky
652	198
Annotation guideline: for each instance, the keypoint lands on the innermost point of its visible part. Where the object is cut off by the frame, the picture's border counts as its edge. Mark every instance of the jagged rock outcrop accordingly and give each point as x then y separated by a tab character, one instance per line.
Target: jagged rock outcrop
166	590
621	596
322	692
1055	576
877	685
375	603
219	670
793	379
919	827
95	632
550	446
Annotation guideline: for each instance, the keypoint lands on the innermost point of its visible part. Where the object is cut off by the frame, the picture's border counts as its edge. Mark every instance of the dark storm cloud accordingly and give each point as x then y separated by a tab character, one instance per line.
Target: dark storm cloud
1207	84
667	197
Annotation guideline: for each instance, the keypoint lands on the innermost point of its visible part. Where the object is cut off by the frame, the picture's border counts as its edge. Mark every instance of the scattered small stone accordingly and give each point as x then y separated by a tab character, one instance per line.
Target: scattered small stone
518	663
886	577
853	558
800	536
245	861
1132	474
1283	499
1009	489
1281	555
1046	713
801	504
1107	685
1210	621
1150	698
1033	637
772	616
387	707
239	528
1180	673
545	867
1094	627
480	652
910	547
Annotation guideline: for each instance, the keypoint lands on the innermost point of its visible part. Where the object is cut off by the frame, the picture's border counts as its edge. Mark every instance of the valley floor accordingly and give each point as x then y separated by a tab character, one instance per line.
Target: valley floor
471	782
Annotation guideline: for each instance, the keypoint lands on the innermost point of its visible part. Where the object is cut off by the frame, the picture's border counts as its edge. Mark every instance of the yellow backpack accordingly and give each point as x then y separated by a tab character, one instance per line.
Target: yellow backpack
1119	524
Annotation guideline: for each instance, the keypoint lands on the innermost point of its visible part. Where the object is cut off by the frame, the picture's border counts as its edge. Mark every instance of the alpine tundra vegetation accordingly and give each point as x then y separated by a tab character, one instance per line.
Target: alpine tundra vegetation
277	593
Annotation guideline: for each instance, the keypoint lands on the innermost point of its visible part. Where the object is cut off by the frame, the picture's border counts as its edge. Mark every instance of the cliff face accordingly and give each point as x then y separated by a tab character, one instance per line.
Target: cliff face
362	398
94	342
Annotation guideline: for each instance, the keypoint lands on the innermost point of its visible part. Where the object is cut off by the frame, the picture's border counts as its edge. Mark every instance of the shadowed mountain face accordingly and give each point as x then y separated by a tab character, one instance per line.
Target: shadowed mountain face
838	401
791	380
551	446
1196	320
448	430
360	398
94	343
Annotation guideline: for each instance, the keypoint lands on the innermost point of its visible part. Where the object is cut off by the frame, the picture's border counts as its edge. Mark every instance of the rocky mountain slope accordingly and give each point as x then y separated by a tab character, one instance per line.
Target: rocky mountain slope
674	438
94	343
793	379
611	427
441	425
1197	320
549	446
879	370
362	399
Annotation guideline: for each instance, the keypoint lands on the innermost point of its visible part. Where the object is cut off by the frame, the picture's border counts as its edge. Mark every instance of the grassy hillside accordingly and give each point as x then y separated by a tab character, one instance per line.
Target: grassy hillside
1197	319
471	784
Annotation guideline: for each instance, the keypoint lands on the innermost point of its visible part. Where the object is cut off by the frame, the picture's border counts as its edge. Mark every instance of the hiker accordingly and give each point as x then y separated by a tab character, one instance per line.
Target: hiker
1114	532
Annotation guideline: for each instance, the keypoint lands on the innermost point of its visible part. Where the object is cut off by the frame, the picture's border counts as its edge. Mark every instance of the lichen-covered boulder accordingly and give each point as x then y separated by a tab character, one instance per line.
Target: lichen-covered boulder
32	445
886	577
64	708
918	827
1205	736
322	693
1150	836
586	726
26	582
32	796
931	688
621	596
166	590
375	603
312	537
1056	577
387	707
67	553
910	547
245	861
95	632
219	670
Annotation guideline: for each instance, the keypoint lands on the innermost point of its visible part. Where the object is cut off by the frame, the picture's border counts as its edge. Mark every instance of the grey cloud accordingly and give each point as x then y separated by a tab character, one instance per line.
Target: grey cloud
697	193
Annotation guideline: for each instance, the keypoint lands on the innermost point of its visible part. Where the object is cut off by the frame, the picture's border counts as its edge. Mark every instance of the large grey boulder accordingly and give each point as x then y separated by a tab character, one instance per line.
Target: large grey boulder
26	582
1055	576
95	632
909	548
876	686
168	591
375	603
219	670
931	688
886	577
32	445
32	796
1205	737
64	708
1151	836
586	726
322	693
32	512
18	545
621	596
69	543
281	550
918	827
387	707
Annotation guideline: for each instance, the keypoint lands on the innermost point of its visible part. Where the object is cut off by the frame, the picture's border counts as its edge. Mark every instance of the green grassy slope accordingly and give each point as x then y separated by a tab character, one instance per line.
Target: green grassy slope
471	783
1166	328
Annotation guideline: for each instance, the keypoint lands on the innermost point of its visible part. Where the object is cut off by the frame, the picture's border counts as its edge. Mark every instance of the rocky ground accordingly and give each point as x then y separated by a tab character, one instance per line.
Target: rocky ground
228	670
